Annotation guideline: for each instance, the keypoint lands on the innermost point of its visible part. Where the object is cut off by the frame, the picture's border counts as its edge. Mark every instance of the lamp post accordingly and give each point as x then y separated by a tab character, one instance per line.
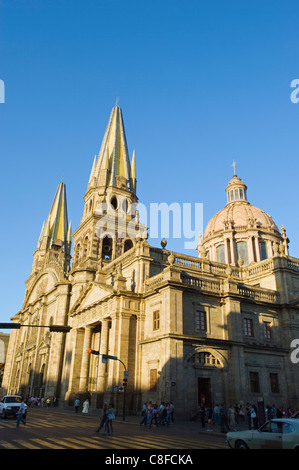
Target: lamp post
115	358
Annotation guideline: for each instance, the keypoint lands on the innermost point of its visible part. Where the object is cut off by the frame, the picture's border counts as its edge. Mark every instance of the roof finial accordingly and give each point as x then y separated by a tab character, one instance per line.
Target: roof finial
116	102
234	165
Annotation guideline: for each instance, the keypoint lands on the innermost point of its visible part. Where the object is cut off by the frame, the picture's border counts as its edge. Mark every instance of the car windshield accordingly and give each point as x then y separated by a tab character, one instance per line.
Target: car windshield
13	400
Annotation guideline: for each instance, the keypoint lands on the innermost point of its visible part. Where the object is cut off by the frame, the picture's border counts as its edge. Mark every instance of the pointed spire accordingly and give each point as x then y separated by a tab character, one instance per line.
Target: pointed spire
69	233
56	230
92	171
133	173
113	156
41	236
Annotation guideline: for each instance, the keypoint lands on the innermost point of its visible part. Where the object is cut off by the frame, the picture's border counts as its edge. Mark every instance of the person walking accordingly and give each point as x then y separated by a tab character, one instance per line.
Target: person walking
110	418
21	414
172	412
77	404
232	418
168	414
203	415
210	419
104	418
144	415
154	416
216	414
85	406
253	414
223	418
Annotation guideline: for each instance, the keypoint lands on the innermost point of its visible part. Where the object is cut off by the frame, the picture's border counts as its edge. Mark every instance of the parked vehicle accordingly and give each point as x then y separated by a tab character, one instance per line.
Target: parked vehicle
9	406
276	433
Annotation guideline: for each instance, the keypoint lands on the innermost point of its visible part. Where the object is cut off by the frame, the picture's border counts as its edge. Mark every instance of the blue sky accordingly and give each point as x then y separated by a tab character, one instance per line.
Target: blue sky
200	84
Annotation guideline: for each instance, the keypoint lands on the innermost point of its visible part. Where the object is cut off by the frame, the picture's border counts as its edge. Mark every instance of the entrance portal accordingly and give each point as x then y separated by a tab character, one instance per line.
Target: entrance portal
204	391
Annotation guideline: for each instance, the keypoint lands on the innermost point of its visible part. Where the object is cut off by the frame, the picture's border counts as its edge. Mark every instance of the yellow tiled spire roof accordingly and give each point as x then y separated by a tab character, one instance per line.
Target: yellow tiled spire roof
56	228
113	156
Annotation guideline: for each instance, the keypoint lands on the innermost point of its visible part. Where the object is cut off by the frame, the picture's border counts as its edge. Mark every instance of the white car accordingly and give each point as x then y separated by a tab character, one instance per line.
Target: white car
9	405
279	433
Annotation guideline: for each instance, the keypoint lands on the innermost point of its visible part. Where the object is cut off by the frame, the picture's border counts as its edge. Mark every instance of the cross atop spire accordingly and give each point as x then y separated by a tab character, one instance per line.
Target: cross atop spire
234	165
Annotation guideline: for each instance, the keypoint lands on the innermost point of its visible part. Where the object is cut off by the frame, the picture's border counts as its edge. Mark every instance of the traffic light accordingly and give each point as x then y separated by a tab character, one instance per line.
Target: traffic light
125	380
92	351
60	328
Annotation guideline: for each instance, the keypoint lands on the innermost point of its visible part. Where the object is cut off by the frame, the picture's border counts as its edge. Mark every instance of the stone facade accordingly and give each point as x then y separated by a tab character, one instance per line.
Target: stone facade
182	325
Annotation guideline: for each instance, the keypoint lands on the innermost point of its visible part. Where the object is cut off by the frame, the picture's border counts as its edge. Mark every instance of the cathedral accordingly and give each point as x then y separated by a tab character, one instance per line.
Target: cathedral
147	324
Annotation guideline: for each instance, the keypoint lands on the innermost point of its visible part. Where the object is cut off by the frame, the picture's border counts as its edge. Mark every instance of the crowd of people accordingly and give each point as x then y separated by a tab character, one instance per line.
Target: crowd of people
162	415
42	402
229	418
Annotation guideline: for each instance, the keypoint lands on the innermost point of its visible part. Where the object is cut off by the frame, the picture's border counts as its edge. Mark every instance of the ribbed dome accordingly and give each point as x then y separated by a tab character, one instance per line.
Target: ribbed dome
239	214
240	231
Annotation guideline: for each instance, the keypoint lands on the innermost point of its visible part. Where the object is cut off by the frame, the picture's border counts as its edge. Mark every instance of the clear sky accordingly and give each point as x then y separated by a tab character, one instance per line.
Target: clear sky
200	84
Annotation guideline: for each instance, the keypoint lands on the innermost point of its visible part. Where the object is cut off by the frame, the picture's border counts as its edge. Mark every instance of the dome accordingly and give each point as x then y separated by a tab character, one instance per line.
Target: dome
239	214
240	233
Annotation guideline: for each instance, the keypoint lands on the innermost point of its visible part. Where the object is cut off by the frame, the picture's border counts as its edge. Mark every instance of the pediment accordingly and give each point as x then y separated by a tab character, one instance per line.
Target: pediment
94	293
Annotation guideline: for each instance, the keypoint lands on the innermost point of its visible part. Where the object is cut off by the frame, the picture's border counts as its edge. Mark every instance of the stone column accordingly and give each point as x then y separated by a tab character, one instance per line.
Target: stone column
85	359
269	249
101	379
226	248
257	249
232	251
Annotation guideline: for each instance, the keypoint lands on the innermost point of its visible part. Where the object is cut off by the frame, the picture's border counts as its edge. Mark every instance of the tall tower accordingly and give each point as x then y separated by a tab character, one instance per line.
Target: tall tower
110	223
55	239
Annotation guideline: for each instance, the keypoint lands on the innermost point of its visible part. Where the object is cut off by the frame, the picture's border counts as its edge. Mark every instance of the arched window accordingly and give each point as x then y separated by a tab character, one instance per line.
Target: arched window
128	245
85	247
263	250
220	254
107	248
242	252
114	202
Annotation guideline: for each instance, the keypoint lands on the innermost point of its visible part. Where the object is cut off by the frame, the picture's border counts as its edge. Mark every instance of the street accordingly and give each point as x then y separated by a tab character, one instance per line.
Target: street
53	429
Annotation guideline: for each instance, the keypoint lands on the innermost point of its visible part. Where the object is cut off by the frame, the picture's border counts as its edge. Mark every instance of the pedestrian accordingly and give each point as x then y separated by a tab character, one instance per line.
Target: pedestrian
216	414
48	402
85	406
149	412
231	418
77	404
248	412
223	418
269	412
154	416
110	418
172	412
21	414
168	414
144	415
162	413
104	417
209	418
253	413
237	413
202	415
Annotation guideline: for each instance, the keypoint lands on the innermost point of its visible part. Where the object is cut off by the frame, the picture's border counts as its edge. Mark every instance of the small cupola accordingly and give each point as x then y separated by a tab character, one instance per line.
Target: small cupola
236	190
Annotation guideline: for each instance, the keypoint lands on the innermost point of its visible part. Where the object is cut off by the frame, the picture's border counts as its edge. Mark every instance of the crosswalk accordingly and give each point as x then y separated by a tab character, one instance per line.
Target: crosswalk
37	439
111	442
